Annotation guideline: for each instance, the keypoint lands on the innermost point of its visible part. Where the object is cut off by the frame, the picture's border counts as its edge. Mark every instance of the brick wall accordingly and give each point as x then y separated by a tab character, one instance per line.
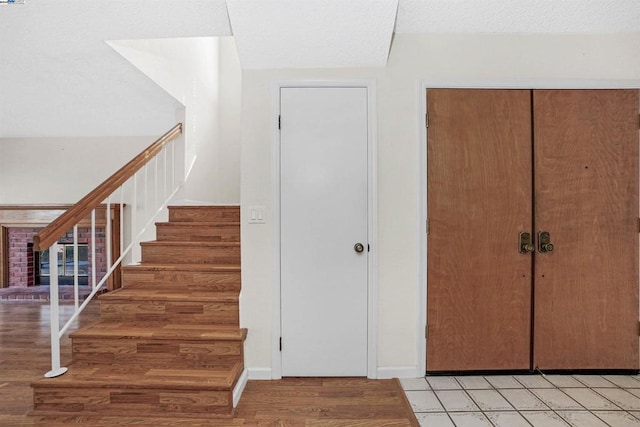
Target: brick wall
21	259
21	266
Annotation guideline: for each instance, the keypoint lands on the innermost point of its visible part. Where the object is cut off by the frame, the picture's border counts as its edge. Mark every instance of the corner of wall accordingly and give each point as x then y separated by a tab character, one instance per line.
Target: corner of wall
259	373
386	372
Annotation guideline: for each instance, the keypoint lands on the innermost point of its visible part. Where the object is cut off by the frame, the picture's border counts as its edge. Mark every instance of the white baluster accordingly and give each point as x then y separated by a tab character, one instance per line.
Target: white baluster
108	233
134	218
76	296
164	173
121	218
156	192
93	248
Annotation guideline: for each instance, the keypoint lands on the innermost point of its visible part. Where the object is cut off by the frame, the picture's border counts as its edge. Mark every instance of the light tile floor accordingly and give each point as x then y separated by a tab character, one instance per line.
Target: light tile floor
526	400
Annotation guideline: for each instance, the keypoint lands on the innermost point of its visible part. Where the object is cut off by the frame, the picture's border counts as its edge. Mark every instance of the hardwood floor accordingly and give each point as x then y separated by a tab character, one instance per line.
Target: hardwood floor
24	357
325	401
25	353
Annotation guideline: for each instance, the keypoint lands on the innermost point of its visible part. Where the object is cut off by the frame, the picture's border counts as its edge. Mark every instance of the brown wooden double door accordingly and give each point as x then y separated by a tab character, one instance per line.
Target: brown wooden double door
501	162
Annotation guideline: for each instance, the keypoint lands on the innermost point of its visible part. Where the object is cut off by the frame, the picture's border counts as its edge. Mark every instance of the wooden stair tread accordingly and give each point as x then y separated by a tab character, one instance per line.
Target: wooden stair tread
198	231
136	377
197	224
191	244
173	295
205	207
204	213
183	267
142	330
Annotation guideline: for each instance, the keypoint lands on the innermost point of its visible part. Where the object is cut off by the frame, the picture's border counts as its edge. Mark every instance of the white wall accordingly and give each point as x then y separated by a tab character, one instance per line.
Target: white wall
227	169
440	60
203	74
61	170
59	78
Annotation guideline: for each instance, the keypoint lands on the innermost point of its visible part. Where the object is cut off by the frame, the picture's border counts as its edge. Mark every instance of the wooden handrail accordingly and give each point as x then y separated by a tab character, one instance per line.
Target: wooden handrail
50	234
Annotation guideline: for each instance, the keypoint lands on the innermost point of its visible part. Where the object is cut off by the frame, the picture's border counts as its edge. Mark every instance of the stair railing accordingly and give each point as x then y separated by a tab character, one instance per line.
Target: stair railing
135	195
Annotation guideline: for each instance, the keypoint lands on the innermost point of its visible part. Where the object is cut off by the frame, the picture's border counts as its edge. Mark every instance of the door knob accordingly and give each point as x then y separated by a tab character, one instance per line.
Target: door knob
524	243
544	242
358	247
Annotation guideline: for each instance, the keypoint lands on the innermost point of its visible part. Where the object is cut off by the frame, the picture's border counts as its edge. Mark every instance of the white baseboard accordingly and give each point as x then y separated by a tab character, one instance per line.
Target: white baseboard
383	373
398	372
260	373
239	388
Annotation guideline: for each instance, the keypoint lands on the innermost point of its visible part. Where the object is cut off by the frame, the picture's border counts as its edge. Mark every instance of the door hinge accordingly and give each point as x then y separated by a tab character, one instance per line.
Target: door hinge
279	122
639	329
638	225
280	343
426	120
426	332
428	229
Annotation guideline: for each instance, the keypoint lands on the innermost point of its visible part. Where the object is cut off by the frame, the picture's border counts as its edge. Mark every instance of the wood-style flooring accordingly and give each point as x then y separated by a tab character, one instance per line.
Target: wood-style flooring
24	358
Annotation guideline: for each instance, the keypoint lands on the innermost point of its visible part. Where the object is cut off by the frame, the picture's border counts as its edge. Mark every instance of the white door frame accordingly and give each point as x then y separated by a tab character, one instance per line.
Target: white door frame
423	210
372	209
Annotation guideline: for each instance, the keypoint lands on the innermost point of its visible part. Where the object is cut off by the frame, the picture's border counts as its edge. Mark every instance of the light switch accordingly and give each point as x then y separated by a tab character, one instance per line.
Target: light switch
256	215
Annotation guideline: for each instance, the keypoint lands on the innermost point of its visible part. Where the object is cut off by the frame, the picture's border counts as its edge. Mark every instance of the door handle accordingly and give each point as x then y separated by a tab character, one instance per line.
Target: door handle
358	247
524	242
544	242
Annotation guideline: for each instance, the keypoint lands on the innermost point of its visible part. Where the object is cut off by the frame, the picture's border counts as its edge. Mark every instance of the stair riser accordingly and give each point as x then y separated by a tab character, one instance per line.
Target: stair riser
214	281
220	214
156	353
158	254
184	233
223	313
120	401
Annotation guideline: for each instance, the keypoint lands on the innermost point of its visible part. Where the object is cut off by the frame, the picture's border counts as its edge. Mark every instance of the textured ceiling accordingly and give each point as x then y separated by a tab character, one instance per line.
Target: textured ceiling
59	78
338	33
518	16
303	34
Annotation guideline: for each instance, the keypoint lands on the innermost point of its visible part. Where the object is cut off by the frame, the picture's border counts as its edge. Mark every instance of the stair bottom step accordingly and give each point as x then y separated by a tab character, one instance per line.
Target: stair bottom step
137	377
90	390
120	401
123	418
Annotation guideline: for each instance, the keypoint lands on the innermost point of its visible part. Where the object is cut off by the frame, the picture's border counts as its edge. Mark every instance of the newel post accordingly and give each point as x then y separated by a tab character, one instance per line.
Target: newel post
56	370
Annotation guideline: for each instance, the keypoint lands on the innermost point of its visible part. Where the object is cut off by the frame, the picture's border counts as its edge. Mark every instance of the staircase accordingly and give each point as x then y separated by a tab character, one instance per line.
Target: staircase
168	342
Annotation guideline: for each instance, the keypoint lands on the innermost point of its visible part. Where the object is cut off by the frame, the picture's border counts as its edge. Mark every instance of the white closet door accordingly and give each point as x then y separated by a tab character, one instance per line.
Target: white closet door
323	146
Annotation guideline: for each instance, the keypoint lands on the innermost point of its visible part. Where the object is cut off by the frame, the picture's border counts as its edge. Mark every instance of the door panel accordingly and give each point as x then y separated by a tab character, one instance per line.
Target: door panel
479	199
586	194
323	143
